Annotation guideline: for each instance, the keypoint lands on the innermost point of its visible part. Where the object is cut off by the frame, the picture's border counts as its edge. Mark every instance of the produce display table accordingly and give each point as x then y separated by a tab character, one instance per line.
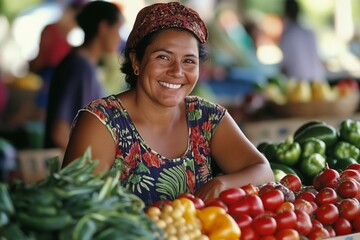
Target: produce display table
355	236
278	129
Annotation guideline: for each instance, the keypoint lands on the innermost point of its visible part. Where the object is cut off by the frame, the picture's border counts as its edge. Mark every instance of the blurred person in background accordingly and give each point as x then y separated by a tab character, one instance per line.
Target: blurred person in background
298	44
231	46
75	81
53	47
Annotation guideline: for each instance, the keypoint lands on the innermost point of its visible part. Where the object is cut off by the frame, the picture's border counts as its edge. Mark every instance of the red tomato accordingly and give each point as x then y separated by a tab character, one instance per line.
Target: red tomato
161	203
251	189
327	213
272	199
186	195
232	195
358	193
250	204
326	195
348	209
248	233
318	233
350	173
342	226
243	220
316	223
331	231
303	223
326	178
292	182
314	206
348	188
216	202
285	206
285	219
355	166
287	234
266	188
356	224
268	237
198	202
264	225
304	205
306	195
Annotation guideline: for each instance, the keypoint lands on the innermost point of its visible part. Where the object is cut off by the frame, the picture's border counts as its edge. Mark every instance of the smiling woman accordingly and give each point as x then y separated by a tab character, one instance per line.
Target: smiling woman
162	140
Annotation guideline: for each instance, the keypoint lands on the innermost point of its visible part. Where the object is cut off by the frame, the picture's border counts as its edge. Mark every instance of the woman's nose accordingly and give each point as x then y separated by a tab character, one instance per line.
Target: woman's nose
176	69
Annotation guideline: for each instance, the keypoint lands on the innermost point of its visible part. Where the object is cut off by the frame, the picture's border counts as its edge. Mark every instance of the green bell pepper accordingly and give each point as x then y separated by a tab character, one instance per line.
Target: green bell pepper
342	163
345	150
288	153
350	131
311	146
313	164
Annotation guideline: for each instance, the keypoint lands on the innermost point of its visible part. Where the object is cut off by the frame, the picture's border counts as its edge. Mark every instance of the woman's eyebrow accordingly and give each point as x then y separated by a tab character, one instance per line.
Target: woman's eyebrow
168	51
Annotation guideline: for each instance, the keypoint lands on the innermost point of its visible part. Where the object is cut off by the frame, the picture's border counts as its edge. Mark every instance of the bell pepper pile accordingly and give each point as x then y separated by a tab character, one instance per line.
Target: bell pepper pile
314	145
187	217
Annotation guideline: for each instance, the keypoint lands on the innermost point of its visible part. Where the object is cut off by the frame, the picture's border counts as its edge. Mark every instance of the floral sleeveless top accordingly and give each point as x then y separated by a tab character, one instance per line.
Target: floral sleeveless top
145	172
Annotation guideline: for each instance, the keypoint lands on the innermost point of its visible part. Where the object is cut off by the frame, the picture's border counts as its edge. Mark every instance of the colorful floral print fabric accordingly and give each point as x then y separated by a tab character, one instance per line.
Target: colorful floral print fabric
145	172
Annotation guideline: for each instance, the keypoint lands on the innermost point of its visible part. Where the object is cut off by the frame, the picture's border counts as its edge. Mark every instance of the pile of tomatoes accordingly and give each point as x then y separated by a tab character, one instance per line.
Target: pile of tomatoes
289	210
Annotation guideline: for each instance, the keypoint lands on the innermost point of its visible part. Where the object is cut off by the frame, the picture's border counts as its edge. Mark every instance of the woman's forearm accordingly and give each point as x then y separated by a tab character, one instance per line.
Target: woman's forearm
256	174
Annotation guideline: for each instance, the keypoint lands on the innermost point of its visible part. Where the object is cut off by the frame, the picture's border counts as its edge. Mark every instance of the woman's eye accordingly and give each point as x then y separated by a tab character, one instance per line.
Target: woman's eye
189	61
163	57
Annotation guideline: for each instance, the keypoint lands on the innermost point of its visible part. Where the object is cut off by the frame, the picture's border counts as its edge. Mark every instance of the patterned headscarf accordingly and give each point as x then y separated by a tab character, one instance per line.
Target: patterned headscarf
166	15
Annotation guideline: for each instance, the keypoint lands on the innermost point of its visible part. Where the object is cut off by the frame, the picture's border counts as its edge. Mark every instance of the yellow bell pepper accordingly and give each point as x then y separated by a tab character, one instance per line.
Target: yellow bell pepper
217	224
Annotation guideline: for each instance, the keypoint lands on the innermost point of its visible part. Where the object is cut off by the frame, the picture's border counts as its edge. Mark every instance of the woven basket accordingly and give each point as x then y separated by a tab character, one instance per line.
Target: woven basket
342	107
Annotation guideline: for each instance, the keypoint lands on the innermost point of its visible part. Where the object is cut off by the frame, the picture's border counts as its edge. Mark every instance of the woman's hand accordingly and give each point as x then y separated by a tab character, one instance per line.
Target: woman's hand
211	189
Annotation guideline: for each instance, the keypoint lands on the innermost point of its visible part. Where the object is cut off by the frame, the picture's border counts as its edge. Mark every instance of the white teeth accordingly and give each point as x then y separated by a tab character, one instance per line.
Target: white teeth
170	85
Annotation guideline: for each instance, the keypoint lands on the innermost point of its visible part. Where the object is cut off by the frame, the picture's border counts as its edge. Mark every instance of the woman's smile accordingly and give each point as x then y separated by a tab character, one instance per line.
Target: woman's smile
170	85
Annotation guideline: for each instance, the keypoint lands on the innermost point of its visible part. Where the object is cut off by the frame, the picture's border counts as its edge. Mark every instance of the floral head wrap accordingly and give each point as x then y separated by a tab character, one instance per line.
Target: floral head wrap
166	15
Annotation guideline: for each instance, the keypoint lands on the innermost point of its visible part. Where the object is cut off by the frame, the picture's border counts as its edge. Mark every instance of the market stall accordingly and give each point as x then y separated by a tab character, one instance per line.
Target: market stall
73	203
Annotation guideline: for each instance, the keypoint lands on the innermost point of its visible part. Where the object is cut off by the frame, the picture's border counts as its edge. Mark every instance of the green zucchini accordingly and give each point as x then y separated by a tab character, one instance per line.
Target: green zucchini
305	126
321	131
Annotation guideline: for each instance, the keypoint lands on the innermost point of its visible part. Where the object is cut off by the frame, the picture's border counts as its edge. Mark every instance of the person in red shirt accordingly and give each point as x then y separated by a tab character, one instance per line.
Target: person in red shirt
53	47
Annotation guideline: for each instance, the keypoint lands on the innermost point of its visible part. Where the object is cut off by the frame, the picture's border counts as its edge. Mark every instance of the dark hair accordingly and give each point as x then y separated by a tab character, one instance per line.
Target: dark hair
140	48
93	13
291	9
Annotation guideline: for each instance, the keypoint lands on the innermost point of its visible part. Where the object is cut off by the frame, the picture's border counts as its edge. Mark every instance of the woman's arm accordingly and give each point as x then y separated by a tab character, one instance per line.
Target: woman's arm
238	159
89	131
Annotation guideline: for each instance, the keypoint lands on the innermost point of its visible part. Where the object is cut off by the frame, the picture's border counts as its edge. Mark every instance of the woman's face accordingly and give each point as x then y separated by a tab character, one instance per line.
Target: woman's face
110	36
169	69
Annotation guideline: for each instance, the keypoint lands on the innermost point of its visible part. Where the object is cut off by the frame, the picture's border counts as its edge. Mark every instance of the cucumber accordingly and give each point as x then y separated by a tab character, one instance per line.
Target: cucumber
320	131
306	125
